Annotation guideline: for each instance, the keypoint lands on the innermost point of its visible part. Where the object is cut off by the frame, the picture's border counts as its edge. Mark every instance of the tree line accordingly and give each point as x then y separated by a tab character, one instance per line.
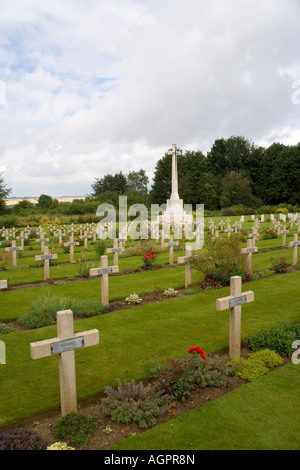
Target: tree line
235	172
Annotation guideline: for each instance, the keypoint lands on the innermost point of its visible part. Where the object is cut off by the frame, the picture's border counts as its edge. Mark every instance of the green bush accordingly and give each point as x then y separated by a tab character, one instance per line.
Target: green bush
220	259
132	402
88	308
279	266
277	338
256	364
75	428
43	311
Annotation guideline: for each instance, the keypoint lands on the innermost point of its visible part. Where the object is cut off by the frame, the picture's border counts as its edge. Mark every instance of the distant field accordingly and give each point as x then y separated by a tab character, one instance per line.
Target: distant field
14	201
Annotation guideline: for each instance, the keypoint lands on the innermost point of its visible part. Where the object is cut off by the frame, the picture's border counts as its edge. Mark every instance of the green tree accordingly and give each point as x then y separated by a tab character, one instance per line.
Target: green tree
236	190
4	192
115	183
44	202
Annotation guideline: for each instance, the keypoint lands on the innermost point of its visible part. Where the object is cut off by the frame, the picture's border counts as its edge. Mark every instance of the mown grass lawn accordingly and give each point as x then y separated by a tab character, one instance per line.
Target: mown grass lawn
261	415
130	339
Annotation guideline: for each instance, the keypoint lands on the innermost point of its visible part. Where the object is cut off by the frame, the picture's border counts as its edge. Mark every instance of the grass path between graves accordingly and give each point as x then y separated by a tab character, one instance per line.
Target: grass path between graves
15	303
261	415
130	339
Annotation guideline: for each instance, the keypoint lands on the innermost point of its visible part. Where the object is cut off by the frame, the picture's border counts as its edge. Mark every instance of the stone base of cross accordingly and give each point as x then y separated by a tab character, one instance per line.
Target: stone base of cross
234	302
104	271
64	345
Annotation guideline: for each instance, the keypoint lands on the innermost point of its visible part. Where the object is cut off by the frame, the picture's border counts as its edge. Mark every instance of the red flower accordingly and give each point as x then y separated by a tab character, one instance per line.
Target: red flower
198	350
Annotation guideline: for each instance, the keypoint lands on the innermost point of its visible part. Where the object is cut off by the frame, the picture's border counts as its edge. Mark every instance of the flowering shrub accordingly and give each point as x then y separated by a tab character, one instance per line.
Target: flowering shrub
279	267
269	233
197	350
148	259
21	439
178	378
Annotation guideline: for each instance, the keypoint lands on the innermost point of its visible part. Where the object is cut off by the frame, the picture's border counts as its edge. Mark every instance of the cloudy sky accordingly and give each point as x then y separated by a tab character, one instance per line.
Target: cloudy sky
90	87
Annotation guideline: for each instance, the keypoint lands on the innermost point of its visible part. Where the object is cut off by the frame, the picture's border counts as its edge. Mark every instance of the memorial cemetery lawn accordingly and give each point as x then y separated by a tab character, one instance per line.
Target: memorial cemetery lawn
257	415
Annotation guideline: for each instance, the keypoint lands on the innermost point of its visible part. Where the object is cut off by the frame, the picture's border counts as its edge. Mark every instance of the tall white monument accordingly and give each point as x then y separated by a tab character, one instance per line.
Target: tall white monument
175	213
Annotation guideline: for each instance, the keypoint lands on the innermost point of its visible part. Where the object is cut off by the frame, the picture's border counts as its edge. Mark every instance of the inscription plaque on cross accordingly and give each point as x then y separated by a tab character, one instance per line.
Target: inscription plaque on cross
188	268
46	257
104	271
64	345
234	302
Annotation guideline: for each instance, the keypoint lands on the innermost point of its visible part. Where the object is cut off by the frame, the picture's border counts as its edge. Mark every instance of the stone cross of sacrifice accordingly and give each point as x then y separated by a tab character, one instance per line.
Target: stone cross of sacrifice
234	302
104	271
46	257
188	268
64	345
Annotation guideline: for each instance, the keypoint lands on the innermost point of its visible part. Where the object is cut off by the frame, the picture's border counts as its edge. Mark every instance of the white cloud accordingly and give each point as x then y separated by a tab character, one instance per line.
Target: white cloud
97	87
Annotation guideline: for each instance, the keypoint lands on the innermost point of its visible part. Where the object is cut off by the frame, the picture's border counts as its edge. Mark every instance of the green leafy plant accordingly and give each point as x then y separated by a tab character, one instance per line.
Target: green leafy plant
75	428
277	338
60	446
100	247
148	259
220	259
269	233
133	299
43	311
132	402
88	308
256	365
170	292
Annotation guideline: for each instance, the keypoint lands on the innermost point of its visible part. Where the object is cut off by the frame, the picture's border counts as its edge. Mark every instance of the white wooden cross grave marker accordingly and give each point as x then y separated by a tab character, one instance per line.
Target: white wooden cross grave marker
249	251
115	250
188	268
171	245
42	240
295	243
71	244
234	302
46	258
85	237
253	235
65	345
22	237
104	271
13	249
228	230
284	232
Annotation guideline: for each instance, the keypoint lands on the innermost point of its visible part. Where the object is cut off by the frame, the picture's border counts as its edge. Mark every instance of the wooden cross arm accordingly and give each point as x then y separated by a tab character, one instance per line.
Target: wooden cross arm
48	347
100	271
171	244
230	301
294	243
